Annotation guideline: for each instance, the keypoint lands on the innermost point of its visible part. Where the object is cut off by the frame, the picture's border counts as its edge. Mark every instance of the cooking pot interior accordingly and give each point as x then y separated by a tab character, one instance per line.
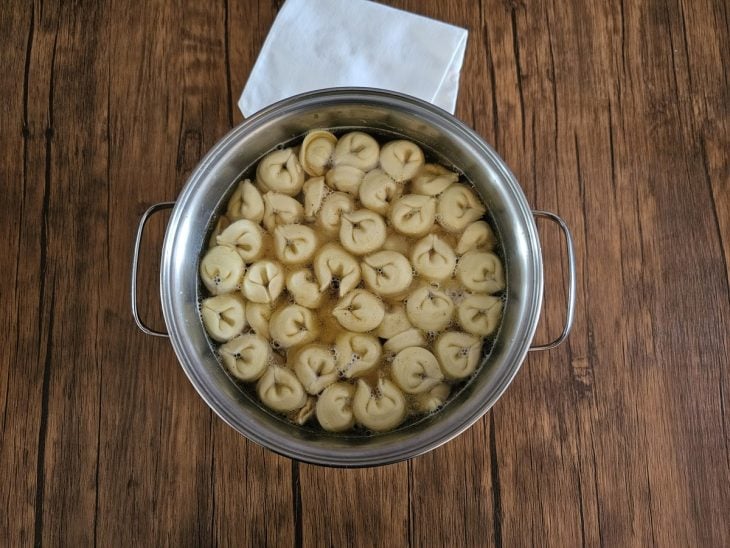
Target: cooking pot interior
447	141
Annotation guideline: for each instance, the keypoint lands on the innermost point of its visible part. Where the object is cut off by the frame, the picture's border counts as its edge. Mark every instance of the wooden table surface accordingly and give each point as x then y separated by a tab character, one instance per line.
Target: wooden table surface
614	114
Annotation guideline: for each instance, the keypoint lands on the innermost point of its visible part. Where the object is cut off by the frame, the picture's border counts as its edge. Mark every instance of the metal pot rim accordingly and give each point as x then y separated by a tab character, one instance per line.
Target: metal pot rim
248	420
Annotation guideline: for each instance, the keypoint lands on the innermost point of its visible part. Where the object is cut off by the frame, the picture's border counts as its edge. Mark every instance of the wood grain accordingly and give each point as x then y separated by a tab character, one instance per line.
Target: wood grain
613	114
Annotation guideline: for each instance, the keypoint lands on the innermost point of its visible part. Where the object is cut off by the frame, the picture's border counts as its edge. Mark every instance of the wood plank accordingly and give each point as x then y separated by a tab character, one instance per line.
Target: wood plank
24	343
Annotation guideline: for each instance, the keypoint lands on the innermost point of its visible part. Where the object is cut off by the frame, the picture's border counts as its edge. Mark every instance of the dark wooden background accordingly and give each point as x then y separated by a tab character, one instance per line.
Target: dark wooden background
614	114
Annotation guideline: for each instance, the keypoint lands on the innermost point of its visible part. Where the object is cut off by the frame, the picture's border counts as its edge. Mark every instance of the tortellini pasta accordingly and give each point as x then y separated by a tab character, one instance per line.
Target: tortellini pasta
457	207
433	258
316	152
351	282
359	311
314	192
410	337
431	400
333	261
401	159
302	286
413	214
357	353
294	244
245	236
263	282
246	356
293	325
221	270
331	211
303	415
378	190
224	316
280	390
480	314
246	203
357	149
362	231
258	316
280	209
280	171
458	353
387	273
415	370
395	321
481	272
478	235
433	180
334	407
220	225
345	178
429	308
315	367
381	409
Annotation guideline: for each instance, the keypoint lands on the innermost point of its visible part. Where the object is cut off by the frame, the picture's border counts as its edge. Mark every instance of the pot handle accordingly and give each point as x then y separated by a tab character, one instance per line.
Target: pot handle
571	280
135	265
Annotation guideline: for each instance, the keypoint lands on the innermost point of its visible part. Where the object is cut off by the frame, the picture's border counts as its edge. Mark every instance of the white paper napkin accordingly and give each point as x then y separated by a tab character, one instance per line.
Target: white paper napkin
315	44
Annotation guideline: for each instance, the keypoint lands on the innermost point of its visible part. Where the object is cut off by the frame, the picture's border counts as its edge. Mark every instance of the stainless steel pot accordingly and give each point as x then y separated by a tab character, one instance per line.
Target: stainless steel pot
205	194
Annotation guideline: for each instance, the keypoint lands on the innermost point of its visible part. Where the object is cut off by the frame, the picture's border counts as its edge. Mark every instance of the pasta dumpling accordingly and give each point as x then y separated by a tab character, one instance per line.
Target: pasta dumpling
478	235
221	269
359	311
333	261
415	370
224	316
315	368
280	390
362	231
280	171
246	203
263	282
293	325
409	337
345	178
220	225
413	214
246	357
395	321
401	159
294	244
380	409
280	209
433	258
314	191
481	272
258	316
303	287
333	207
334	407
458	353
378	190
245	236
432	399
479	314
429	308
357	149
433	180
316	152
387	273
357	353
458	207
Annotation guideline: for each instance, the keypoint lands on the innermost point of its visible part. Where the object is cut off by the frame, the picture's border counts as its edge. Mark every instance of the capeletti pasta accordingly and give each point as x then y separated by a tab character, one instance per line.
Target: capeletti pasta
352	284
